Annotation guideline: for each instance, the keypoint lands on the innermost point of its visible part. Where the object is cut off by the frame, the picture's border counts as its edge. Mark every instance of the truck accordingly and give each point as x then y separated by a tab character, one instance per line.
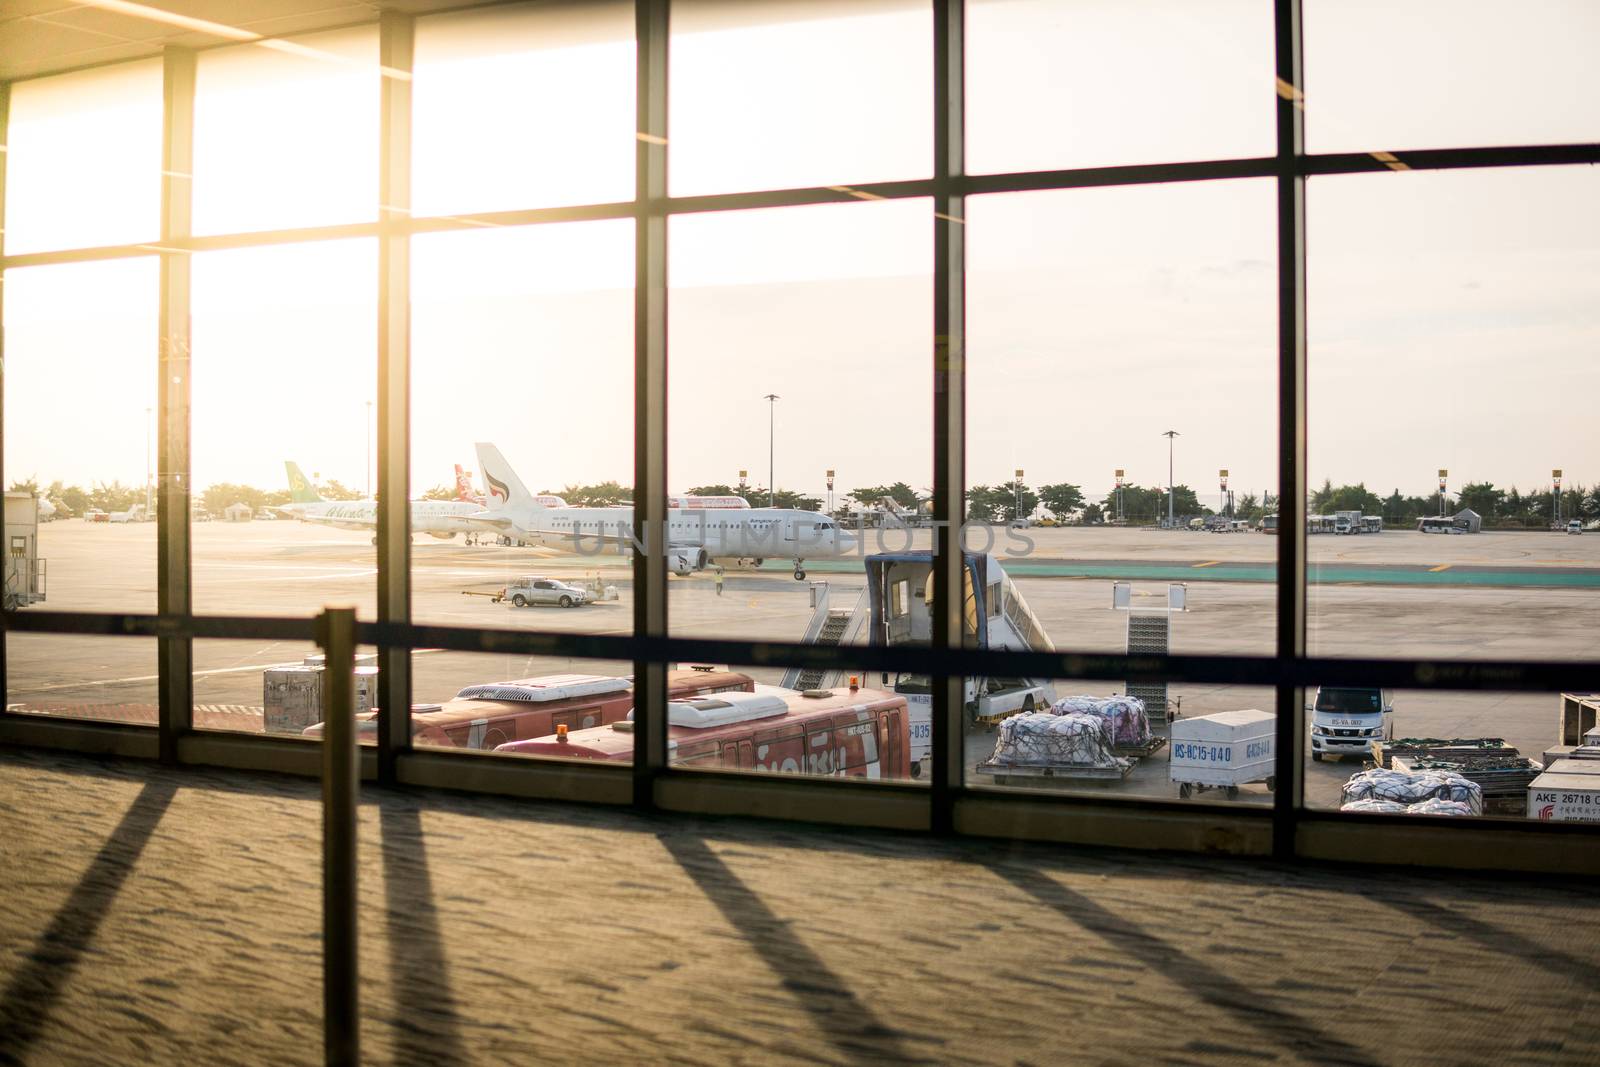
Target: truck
533	589
1345	721
24	570
1347	522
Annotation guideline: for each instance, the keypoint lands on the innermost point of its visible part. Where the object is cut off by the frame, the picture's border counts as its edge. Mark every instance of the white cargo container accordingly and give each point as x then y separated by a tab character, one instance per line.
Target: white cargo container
291	696
1568	791
1223	751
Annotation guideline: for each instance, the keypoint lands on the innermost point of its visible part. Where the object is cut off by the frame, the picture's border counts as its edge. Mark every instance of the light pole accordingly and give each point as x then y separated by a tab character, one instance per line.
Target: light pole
1169	435
1555	477
830	491
1223	475
147	461
772	423
1443	474
1120	473
369	450
1016	493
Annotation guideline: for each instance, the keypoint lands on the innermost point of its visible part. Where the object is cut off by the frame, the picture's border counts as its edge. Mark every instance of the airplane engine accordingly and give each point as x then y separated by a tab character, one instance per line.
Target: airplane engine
683	561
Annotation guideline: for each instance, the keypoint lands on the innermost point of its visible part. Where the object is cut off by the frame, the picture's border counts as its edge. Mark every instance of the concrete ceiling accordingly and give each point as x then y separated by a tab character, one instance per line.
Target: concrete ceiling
44	36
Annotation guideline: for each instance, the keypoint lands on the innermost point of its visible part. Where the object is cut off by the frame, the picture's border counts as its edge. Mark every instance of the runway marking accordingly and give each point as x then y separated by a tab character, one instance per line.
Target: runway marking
1440	567
1210	563
196	674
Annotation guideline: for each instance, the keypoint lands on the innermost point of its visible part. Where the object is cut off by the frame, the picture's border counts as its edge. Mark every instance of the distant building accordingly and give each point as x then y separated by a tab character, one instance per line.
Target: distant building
238	512
1468	520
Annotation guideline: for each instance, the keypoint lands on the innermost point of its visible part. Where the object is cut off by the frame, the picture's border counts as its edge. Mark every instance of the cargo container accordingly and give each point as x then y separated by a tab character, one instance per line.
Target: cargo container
1568	791
291	696
1223	751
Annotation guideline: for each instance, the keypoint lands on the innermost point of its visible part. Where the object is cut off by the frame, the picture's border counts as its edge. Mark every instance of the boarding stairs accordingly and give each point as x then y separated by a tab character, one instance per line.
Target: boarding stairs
830	627
1150	634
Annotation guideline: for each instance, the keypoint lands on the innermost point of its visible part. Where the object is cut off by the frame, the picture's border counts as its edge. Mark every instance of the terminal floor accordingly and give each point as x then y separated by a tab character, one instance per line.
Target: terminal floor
158	915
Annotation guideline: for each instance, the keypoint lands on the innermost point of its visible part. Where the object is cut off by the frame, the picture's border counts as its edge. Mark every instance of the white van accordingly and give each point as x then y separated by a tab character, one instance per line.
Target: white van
1345	721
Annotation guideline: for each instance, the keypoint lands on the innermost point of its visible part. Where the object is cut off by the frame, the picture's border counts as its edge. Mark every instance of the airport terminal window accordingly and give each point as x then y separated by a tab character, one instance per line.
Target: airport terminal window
1397	74
104	679
827	309
484	135
80	433
83	159
284	341
287	137
1053	84
787	94
540	319
1097	319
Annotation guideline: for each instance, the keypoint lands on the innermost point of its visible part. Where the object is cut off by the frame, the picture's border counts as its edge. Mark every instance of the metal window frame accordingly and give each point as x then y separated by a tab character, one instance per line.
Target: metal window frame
949	804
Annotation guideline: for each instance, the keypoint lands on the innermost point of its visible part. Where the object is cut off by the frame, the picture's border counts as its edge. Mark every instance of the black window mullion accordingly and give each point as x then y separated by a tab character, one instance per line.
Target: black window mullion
1288	798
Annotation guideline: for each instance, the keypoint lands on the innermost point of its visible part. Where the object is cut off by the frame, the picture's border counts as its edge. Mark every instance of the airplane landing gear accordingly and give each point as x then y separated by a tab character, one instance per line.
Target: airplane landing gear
799	571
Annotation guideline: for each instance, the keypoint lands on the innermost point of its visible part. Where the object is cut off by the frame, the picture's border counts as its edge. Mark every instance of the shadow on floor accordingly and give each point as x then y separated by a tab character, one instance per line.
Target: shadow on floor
426	1023
848	1024
1497	939
1294	1033
29	998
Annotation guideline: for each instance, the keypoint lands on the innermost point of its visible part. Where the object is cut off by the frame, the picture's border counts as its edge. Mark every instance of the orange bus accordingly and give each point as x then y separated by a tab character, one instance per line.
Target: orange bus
489	715
845	733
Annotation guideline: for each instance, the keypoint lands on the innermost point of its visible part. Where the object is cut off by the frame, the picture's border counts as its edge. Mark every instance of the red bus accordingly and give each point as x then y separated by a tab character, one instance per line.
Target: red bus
844	733
486	716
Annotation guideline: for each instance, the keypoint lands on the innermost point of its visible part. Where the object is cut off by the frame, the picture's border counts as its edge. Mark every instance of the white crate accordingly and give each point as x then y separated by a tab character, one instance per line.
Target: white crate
291	697
1227	748
1568	791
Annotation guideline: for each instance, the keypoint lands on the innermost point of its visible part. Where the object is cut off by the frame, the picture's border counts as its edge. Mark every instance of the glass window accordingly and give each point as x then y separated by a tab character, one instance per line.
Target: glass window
523	106
284	367
800	341
287	136
522	426
1054	84
1382	74
1452	324
83	159
788	94
80	442
107	679
273	687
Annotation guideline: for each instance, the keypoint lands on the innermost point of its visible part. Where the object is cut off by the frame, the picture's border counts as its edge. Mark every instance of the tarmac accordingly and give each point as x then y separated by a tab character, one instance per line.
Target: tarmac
1523	595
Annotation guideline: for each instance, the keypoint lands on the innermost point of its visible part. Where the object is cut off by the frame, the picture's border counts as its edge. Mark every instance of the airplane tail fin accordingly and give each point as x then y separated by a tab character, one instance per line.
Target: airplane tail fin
464	486
505	489
300	491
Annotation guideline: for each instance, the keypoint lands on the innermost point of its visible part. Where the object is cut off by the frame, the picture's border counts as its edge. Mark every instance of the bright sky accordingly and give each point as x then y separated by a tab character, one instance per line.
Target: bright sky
1451	314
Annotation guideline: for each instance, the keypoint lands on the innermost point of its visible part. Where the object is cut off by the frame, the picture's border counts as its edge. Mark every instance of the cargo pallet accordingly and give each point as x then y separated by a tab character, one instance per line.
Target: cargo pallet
1003	772
1144	751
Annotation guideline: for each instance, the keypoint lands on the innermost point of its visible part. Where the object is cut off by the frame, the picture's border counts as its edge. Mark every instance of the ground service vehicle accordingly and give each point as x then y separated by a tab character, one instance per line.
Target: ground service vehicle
1345	721
485	716
1575	527
536	590
842	733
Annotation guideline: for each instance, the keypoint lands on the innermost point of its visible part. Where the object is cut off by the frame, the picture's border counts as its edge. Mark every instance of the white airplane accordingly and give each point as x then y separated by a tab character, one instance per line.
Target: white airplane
464	491
438	518
694	536
135	513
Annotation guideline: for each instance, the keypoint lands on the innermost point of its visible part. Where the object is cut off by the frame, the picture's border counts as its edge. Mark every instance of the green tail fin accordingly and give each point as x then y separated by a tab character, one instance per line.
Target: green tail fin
300	491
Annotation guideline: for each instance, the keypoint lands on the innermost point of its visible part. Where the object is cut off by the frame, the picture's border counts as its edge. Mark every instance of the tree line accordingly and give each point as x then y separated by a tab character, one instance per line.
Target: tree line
1497	507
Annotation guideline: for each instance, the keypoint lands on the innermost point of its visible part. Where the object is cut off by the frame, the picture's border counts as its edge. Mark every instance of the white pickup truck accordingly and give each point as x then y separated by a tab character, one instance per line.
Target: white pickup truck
525	592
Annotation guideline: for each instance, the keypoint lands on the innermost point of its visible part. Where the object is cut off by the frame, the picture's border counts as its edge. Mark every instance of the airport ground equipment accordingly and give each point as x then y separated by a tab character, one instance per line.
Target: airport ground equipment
1409	788
1040	747
1223	751
1503	778
532	590
1126	722
1150	634
831	626
1385	752
1347	720
24	570
291	696
1567	791
1580	713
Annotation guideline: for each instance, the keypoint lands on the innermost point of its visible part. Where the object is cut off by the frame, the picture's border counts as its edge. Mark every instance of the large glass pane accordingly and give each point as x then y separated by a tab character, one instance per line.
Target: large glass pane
1453	324
522	427
287	136
801	360
108	679
787	94
1098	321
83	159
284	370
80	397
1453	754
1053	84
485	136
1393	74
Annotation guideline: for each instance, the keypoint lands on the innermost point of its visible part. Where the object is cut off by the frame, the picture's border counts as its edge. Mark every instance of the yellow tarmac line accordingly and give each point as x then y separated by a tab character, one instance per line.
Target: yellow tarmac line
1208	563
1440	567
